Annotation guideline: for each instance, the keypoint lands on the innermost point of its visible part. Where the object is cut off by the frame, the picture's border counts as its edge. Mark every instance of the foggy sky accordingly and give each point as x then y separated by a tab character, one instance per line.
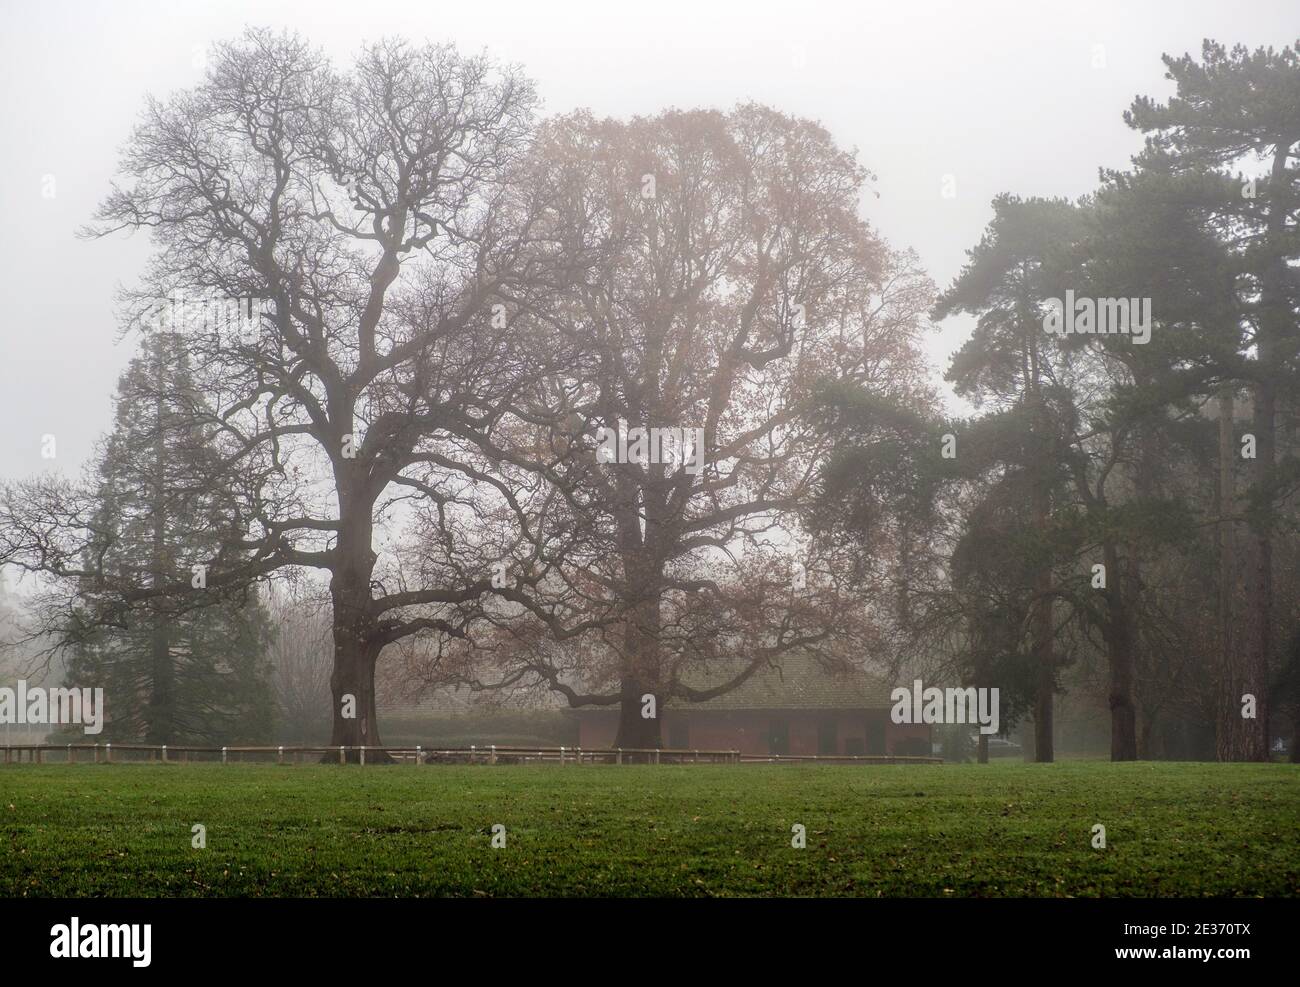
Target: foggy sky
1003	97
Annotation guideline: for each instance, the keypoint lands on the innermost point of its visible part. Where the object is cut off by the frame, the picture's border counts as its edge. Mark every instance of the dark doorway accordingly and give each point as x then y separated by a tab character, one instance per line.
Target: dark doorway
826	736
778	737
876	733
679	734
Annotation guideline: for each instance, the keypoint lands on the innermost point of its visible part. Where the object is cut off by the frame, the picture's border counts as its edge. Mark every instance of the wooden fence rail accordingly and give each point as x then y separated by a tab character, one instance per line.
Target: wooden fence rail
838	759
490	754
285	754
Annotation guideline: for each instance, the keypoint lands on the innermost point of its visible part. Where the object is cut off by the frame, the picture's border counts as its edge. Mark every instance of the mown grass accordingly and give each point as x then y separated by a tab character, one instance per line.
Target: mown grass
320	830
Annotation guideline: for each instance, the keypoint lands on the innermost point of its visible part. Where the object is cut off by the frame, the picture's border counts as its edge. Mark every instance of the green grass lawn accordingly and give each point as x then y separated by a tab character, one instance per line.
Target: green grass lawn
999	829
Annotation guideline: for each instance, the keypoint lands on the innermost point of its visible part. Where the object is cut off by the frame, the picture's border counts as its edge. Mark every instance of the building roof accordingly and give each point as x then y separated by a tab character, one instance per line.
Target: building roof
801	682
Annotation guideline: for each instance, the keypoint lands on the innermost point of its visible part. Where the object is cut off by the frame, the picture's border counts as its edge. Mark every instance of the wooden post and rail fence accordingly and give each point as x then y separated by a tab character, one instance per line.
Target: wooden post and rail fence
490	754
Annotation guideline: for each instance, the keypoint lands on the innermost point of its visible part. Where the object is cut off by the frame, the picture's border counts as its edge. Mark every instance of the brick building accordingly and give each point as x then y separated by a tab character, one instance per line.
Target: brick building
800	708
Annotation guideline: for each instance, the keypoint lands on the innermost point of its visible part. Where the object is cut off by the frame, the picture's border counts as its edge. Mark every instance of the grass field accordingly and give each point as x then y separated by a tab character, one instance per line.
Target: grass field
1000	829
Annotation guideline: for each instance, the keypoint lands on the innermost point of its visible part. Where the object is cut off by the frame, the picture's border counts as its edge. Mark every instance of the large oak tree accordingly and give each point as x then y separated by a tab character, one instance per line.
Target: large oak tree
732	277
369	214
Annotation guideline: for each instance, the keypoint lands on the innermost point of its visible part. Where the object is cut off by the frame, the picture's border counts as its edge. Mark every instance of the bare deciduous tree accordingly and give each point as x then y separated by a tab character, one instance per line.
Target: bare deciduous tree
369	214
733	279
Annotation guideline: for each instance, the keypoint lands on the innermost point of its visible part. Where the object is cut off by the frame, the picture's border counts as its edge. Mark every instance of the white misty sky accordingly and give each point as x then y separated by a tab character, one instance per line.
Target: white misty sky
1002	96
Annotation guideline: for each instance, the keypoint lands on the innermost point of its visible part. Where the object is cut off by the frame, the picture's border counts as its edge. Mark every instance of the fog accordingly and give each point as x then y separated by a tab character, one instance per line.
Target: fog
996	96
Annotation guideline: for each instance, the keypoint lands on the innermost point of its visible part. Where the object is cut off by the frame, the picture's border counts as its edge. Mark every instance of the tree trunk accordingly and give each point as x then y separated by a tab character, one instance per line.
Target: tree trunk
1228	725
1272	334
982	749
1041	644
1041	626
161	711
636	731
640	674
1044	751
1119	640
1126	742
1257	627
352	683
161	715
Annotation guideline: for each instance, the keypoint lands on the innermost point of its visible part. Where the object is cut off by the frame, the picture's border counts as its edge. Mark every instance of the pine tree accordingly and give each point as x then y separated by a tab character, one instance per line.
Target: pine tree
174	670
1011	272
1231	105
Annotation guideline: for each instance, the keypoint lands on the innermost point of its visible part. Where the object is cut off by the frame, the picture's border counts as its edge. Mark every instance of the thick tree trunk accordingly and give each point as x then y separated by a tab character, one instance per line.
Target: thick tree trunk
636	731
161	715
982	749
352	683
641	673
